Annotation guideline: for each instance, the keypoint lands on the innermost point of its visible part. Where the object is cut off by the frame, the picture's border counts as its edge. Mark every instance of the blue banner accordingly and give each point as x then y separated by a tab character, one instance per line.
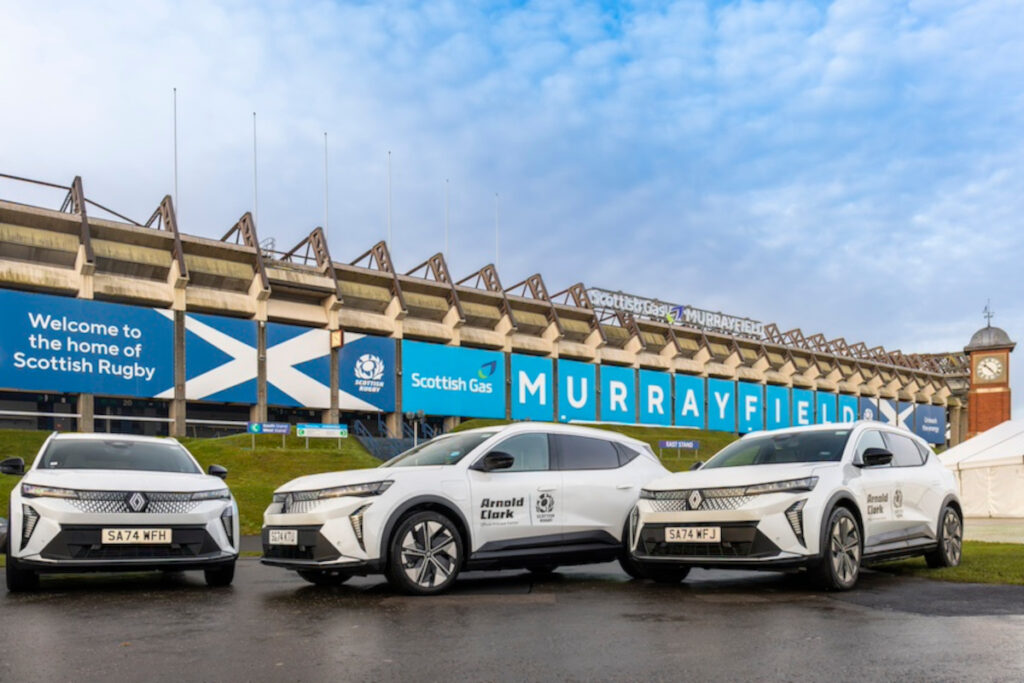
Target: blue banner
847	408
689	410
533	396
803	407
451	380
868	406
930	423
776	407
366	373
825	407
751	407
60	344
220	359
721	405
655	398
905	415
618	394
886	411
577	391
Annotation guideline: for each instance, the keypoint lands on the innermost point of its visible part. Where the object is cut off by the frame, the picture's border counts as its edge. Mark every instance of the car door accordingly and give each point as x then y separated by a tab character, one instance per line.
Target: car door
520	506
878	486
597	494
911	487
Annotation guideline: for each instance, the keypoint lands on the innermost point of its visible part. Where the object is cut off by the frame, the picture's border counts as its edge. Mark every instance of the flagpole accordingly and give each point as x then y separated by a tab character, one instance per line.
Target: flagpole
176	207
389	200
326	186
445	219
255	185
497	242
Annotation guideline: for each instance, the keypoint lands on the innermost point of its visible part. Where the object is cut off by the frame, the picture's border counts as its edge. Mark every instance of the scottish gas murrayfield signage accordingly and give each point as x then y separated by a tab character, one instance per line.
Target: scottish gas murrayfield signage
654	309
451	380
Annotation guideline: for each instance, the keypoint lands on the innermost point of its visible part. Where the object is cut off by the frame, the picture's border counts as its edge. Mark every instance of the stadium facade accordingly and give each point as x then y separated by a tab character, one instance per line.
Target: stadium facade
116	325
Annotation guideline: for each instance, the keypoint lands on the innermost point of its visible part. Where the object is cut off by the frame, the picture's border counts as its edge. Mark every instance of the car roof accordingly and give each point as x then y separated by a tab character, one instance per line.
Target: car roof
832	426
557	428
103	436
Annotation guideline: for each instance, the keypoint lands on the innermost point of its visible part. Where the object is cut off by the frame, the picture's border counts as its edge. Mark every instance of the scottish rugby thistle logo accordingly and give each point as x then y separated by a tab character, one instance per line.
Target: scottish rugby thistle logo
369	372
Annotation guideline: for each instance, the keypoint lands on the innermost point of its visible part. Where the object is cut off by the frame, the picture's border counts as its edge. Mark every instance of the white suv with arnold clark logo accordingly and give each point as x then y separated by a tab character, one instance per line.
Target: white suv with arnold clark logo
531	496
105	502
827	498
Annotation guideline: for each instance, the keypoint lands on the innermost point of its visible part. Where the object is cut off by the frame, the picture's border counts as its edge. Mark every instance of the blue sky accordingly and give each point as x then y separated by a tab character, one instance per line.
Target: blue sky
854	168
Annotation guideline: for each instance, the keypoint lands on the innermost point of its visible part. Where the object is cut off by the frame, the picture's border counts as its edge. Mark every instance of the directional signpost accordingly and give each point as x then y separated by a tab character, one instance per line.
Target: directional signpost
679	446
322	431
282	428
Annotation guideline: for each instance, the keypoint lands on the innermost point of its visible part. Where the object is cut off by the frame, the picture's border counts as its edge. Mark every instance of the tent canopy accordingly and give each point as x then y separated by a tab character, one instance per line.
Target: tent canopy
1001	445
990	471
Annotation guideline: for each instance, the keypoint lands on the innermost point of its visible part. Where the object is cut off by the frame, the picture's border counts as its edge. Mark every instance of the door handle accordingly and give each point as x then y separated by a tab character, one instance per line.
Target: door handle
623	487
546	488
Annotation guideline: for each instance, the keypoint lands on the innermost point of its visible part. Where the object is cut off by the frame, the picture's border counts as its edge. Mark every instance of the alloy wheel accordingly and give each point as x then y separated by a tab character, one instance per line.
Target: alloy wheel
429	553
952	537
844	549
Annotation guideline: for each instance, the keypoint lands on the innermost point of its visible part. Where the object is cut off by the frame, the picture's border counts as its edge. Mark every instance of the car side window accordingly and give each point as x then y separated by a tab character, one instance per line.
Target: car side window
904	451
531	452
925	451
870	439
586	453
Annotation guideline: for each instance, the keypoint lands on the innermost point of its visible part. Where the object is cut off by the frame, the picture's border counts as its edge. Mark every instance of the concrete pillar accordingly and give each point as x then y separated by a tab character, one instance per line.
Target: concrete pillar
259	411
86	410
177	407
393	421
955	435
332	414
451	423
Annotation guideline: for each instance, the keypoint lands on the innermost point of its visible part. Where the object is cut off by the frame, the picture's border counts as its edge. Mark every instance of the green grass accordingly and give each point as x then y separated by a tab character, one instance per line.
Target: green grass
1001	563
252	475
710	442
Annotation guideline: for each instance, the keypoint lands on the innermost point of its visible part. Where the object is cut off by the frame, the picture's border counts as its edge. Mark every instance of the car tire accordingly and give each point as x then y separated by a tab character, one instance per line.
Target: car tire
325	577
842	550
18	580
631	566
425	554
664	573
949	550
220	577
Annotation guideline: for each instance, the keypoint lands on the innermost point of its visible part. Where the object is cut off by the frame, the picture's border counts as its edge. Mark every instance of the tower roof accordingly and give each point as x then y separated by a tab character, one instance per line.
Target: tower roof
990	338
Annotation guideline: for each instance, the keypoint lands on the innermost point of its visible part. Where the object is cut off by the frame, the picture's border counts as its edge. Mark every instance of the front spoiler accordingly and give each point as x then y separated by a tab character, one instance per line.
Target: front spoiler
361	567
134	565
777	562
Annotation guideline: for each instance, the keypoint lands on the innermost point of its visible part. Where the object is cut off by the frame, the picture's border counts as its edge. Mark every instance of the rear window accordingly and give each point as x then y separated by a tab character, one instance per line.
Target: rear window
97	454
585	453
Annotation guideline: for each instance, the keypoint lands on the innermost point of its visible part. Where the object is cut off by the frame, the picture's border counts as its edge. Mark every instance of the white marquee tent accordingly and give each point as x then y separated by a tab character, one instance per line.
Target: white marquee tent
990	469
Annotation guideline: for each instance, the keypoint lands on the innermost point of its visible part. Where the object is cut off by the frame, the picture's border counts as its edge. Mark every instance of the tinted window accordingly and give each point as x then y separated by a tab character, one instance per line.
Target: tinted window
96	454
529	450
585	453
770	449
625	453
444	450
871	439
925	451
904	451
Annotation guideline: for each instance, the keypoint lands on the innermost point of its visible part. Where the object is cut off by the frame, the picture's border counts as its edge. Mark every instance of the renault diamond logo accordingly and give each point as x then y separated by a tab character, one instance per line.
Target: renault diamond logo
695	499
137	502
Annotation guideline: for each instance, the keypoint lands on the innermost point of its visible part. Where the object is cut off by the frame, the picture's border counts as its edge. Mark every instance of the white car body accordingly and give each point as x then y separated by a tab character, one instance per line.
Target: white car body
65	519
506	518
720	521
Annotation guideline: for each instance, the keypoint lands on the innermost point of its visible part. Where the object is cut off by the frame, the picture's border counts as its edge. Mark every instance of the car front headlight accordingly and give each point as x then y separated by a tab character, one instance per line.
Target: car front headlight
215	494
33	491
787	486
374	488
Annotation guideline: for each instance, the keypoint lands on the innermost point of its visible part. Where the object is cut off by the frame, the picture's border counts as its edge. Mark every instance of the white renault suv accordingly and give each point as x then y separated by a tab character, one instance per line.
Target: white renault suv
527	495
105	502
827	497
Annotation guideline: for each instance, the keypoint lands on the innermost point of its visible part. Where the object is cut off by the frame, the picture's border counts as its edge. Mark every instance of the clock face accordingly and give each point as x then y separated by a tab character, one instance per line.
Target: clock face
989	368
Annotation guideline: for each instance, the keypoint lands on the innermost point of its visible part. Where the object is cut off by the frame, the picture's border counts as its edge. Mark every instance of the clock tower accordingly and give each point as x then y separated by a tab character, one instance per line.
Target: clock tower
988	399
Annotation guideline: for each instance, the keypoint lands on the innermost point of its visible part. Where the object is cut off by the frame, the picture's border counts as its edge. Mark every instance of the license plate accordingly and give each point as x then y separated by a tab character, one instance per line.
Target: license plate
136	536
283	537
693	534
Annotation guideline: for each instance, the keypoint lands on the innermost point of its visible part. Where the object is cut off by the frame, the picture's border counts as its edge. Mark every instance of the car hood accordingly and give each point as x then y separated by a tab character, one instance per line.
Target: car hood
313	482
737	476
123	480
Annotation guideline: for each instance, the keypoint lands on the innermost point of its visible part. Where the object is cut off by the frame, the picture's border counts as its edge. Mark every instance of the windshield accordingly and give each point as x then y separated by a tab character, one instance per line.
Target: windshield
773	449
443	450
95	454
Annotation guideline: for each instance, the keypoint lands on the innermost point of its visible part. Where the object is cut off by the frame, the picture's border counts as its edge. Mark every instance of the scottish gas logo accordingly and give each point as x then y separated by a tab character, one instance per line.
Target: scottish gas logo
447	380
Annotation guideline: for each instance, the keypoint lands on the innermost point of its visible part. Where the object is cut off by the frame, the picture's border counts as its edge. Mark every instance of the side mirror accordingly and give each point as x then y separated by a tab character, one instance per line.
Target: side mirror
495	460
696	466
15	466
873	457
218	471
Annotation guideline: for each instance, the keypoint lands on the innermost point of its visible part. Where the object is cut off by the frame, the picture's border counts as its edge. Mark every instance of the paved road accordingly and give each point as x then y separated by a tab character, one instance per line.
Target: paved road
583	624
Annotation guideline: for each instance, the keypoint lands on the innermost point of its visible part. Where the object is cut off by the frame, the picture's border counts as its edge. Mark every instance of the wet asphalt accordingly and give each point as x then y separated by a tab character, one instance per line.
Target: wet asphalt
584	624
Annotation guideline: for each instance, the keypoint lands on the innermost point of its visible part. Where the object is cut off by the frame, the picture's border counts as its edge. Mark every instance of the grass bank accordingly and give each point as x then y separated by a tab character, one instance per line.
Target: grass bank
1001	563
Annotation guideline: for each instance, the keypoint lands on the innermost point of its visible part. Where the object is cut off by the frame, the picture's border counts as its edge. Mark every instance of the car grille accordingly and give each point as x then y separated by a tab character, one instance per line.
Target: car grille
299	507
311	546
78	542
710	499
737	540
116	502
